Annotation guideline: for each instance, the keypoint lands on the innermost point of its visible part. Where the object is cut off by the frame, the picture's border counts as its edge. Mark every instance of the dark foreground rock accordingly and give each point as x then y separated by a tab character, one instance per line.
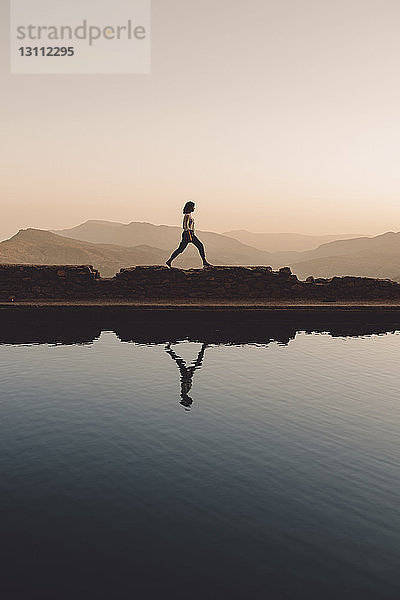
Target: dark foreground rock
31	282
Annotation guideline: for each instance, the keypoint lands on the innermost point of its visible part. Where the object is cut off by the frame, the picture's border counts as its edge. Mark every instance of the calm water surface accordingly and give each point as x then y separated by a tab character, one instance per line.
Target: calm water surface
201	470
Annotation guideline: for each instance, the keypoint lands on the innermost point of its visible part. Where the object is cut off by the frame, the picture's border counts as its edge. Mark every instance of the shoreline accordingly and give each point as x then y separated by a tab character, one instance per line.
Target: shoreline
223	305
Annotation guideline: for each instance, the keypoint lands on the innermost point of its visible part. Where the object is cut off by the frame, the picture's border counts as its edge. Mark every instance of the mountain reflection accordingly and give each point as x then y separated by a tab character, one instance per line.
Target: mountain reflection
80	325
186	373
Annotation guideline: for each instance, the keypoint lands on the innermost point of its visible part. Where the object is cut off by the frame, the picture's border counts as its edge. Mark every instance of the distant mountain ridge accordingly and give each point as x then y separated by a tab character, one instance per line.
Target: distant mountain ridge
220	248
372	256
377	256
284	242
381	266
35	246
389	241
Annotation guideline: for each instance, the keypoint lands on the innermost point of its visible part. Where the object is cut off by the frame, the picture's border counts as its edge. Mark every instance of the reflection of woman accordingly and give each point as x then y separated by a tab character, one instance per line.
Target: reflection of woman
186	372
188	236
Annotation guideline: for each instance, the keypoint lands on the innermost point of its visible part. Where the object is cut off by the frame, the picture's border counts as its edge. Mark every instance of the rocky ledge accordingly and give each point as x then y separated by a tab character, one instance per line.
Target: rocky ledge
70	282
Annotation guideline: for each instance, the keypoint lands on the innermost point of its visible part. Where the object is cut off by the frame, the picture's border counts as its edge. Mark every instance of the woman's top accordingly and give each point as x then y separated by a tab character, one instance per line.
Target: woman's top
188	222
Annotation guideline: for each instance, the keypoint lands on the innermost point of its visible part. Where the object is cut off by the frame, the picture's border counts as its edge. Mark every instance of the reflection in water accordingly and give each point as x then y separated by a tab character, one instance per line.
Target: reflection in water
271	491
81	325
186	373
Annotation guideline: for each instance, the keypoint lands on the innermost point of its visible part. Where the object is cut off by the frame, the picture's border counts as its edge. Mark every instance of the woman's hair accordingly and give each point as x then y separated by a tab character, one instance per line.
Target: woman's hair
189	207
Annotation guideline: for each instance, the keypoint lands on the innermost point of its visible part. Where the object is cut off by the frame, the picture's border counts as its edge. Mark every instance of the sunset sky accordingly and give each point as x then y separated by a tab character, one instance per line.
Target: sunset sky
272	115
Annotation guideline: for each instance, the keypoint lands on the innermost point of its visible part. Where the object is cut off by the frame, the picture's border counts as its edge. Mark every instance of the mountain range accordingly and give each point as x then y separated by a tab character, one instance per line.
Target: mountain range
284	242
35	246
377	256
110	246
220	248
164	236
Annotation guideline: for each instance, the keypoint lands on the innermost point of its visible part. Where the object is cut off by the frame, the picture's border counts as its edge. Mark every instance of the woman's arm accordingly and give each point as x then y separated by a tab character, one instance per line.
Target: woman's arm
186	221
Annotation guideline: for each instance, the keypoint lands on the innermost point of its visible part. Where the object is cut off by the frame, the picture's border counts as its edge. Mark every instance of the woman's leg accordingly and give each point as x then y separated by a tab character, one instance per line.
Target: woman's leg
179	250
200	248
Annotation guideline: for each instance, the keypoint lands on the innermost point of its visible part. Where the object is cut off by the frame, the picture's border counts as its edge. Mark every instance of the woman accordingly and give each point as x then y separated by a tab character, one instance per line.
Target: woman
188	236
186	373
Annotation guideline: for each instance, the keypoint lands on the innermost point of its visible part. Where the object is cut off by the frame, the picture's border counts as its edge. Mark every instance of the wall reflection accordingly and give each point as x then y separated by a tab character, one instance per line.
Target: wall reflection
81	325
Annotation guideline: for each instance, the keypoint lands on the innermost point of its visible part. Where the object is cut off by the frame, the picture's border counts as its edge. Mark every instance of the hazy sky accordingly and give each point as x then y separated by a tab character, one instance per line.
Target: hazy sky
273	115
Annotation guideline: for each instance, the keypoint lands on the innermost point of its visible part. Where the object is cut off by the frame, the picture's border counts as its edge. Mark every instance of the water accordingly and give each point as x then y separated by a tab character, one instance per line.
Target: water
265	470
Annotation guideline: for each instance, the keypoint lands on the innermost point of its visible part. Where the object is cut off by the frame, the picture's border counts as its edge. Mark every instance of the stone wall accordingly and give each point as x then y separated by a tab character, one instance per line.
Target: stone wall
22	282
26	282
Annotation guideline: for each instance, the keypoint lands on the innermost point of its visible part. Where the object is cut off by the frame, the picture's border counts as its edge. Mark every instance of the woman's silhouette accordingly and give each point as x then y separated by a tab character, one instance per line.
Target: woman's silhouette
186	373
188	236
